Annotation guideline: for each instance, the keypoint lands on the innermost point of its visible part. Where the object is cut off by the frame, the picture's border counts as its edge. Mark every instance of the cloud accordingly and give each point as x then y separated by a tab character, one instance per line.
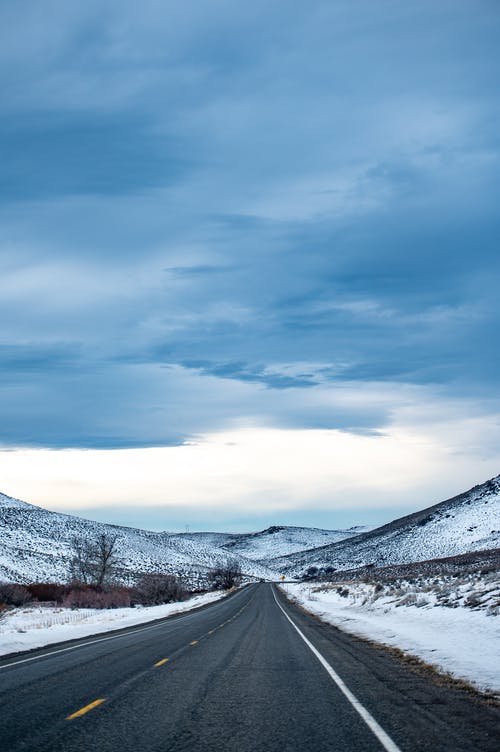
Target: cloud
281	216
250	477
61	154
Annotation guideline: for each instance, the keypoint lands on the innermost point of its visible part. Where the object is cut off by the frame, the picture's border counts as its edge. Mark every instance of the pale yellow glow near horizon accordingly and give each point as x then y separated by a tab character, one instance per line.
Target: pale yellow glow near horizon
258	469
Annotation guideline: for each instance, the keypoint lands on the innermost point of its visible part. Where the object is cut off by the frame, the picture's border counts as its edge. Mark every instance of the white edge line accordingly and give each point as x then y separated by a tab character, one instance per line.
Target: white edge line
105	639
384	739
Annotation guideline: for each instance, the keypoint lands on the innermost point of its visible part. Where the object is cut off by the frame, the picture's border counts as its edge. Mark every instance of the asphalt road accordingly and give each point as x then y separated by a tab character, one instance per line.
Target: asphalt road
235	676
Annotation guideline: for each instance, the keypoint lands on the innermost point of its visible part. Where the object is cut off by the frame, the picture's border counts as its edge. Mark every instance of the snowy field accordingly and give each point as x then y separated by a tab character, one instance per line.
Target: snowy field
451	623
35	626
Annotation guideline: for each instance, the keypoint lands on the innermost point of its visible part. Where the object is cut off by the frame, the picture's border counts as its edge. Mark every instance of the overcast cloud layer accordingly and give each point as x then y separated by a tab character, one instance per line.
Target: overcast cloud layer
216	216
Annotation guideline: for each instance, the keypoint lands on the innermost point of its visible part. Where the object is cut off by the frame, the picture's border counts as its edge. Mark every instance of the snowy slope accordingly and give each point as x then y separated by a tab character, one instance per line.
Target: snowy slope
35	545
212	540
7	502
468	522
283	540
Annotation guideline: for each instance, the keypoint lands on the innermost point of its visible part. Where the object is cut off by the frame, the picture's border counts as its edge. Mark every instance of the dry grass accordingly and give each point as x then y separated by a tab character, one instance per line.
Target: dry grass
438	676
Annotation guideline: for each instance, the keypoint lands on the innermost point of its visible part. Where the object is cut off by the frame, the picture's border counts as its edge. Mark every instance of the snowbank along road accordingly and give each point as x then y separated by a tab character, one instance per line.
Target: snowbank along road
250	672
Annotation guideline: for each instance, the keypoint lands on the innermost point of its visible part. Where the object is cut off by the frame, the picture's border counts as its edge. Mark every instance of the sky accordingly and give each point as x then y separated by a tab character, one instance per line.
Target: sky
249	258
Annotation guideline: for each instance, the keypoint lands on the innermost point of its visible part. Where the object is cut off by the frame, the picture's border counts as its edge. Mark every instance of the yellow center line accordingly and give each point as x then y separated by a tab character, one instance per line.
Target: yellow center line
163	660
195	642
86	709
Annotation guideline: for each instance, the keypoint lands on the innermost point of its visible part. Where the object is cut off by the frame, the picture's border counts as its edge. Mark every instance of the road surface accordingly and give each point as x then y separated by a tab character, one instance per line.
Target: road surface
250	672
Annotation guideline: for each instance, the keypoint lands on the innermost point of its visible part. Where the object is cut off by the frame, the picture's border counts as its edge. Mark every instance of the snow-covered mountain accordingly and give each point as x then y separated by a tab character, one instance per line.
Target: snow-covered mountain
36	545
281	540
468	522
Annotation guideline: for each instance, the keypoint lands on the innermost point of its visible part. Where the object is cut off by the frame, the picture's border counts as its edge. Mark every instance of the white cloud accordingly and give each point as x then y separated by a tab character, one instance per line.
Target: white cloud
413	463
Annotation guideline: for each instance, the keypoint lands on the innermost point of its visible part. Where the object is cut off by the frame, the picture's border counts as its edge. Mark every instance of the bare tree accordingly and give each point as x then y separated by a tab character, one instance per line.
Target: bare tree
105	558
94	562
80	566
225	575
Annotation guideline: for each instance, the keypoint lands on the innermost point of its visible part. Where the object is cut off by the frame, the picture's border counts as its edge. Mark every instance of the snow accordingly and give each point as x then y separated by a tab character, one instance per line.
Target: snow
9	502
455	638
469	522
282	540
36	546
36	626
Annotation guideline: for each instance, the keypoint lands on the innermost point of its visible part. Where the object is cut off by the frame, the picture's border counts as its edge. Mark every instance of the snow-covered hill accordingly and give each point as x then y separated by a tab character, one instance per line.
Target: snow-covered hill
468	522
35	545
280	540
7	502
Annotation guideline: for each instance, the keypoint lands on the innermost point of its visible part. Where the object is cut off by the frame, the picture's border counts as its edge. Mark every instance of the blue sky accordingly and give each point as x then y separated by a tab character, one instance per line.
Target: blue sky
221	218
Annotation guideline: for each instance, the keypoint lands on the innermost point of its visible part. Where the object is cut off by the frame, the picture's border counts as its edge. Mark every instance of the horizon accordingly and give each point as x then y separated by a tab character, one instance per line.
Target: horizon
249	259
100	515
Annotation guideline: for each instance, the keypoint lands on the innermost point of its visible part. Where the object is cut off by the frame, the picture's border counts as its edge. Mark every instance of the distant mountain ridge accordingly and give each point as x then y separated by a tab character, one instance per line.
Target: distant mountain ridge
35	544
279	540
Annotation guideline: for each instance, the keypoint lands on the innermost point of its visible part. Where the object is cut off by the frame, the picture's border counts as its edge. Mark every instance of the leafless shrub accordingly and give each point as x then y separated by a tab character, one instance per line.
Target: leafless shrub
226	575
86	596
13	594
310	574
421	601
473	600
343	592
153	589
47	592
117	597
409	599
